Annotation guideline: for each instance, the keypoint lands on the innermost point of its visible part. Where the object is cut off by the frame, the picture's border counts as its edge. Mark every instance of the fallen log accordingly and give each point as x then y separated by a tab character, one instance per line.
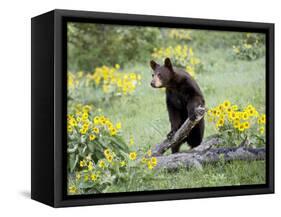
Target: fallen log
199	158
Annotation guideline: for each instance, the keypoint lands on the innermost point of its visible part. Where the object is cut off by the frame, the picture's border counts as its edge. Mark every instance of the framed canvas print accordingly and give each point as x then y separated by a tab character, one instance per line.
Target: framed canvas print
134	108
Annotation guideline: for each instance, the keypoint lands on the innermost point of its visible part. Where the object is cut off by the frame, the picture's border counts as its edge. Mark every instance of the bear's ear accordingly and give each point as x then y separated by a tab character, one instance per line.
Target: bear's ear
168	64
153	64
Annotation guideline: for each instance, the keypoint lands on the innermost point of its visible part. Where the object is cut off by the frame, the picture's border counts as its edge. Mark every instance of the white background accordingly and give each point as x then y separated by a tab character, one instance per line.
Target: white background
15	106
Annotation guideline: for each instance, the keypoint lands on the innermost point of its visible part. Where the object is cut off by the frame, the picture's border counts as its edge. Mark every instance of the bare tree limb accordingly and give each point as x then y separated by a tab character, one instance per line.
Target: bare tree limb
181	133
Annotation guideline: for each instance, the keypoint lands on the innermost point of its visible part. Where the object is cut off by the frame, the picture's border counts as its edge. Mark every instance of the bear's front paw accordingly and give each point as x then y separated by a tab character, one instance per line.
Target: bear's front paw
170	134
192	117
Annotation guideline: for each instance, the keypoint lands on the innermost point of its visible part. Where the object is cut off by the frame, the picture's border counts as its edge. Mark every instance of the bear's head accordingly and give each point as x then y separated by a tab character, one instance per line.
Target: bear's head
161	75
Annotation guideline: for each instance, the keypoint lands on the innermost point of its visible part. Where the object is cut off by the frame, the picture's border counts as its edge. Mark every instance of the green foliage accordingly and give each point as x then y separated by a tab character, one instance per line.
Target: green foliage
111	170
250	47
237	125
182	56
212	175
89	134
93	45
104	83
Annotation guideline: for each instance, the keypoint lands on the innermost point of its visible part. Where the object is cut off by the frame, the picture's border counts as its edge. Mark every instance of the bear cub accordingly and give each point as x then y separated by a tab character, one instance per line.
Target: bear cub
183	95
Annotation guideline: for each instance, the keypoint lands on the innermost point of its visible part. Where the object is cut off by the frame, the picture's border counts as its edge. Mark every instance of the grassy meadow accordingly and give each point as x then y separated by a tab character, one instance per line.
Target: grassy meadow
144	119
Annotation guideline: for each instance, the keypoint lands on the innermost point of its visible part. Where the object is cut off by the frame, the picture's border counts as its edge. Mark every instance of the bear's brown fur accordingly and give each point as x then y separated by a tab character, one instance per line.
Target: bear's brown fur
183	95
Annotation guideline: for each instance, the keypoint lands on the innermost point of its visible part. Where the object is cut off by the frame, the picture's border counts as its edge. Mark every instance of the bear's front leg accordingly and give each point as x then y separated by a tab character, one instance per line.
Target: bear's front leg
171	134
192	105
175	120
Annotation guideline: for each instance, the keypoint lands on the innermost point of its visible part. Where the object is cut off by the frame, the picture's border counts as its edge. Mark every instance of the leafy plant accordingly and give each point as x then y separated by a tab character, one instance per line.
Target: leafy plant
236	124
111	81
89	133
250	47
180	34
96	177
92	45
182	56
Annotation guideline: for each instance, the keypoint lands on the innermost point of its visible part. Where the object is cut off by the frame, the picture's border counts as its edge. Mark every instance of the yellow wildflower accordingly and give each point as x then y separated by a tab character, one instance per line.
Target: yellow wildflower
85	116
82	163
78	176
83	131
236	124
86	108
261	130
112	131
92	137
149	165
234	107
143	160
101	164
106	152
226	104
153	161
109	158
246	125
96	130
220	122
90	166
69	129
133	155
94	177
262	119
241	127
118	125
72	189
245	116
96	120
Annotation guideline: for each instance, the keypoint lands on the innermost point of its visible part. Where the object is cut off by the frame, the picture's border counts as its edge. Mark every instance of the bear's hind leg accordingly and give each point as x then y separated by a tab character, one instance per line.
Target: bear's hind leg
196	135
175	149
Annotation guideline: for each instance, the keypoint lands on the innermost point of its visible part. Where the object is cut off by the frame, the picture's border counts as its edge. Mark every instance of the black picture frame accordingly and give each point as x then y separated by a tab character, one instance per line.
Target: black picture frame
48	69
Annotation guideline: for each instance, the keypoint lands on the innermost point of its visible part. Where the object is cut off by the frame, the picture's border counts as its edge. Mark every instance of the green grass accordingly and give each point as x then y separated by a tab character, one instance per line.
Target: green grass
220	174
144	116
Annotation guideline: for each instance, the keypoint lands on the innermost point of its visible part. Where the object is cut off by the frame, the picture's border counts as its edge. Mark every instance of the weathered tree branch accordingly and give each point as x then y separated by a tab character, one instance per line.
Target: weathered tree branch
180	135
214	155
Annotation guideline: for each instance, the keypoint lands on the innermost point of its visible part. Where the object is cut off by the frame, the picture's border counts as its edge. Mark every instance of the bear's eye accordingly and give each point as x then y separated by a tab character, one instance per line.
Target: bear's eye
152	75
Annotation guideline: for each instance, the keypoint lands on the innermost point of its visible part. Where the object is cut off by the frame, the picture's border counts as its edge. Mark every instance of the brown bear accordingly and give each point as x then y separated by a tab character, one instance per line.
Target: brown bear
183	95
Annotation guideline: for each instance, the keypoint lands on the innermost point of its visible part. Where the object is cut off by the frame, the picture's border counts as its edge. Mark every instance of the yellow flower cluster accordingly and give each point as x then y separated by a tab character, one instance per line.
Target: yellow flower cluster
109	155
133	155
81	122
112	80
180	34
240	119
250	47
182	55
245	46
92	173
151	162
88	173
72	189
